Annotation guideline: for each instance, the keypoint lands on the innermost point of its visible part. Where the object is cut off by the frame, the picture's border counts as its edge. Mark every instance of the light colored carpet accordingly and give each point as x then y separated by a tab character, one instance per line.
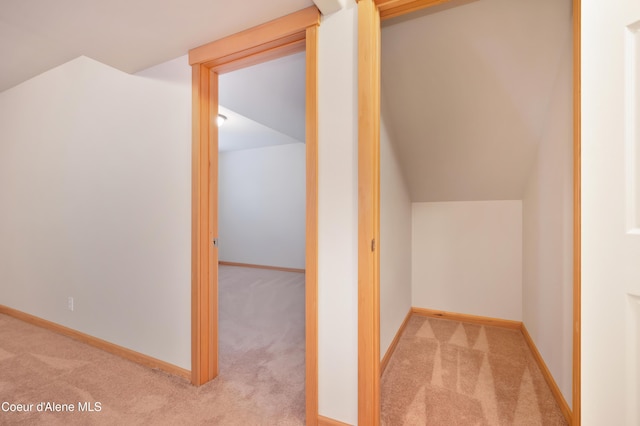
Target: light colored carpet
442	372
261	379
451	373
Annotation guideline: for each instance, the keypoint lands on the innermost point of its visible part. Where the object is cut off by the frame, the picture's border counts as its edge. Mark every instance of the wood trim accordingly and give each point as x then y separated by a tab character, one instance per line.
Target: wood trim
198	92
211	300
265	42
577	213
204	354
254	39
555	390
250	265
394	343
311	244
368	213
103	345
392	8
326	421
473	319
274	50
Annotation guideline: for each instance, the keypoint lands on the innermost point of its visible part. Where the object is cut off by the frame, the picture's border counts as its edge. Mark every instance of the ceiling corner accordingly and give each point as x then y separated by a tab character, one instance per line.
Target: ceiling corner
328	7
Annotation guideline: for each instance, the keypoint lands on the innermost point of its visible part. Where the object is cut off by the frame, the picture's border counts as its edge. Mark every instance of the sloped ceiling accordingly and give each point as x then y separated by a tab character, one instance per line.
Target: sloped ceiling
131	35
464	85
271	93
465	89
240	132
264	104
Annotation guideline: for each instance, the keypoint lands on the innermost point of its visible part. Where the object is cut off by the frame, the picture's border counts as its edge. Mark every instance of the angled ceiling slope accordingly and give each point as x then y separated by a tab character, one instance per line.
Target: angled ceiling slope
130	35
269	100
271	93
466	92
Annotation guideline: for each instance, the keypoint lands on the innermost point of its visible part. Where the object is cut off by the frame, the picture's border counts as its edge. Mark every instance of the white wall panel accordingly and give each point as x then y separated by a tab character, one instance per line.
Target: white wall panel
395	242
261	206
547	283
95	183
467	257
338	217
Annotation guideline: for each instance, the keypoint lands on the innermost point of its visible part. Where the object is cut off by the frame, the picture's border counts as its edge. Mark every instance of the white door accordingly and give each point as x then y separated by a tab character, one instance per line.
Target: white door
610	212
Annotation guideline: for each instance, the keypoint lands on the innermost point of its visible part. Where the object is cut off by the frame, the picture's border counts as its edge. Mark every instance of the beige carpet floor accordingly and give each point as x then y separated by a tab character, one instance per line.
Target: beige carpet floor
442	372
261	379
450	373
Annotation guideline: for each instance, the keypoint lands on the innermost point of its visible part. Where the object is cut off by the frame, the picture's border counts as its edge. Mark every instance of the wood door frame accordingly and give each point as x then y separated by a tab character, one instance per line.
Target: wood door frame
370	14
368	213
296	32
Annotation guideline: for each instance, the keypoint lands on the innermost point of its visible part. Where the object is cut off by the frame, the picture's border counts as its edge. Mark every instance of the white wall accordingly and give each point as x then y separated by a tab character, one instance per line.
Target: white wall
338	217
467	257
395	242
95	183
261	206
105	216
547	299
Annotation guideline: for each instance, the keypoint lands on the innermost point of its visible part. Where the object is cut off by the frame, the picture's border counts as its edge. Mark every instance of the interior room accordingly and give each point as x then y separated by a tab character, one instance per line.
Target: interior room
100	179
476	196
261	228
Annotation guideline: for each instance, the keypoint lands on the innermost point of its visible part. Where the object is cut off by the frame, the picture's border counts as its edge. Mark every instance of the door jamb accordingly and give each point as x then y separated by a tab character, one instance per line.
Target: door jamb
370	13
292	33
368	213
577	215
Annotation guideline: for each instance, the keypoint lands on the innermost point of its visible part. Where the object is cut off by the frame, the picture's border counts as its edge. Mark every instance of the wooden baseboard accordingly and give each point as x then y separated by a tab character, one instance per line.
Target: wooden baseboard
249	265
326	421
120	351
555	390
473	319
394	343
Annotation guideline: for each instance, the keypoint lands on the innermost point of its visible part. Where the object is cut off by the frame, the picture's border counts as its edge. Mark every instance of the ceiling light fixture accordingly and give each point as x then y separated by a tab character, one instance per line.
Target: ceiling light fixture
220	120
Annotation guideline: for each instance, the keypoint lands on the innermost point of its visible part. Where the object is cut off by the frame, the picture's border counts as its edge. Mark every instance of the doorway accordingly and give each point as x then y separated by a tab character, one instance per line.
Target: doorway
370	14
293	33
261	245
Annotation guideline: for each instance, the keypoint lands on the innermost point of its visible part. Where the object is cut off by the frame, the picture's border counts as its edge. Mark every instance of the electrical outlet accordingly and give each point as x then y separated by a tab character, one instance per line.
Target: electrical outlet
70	303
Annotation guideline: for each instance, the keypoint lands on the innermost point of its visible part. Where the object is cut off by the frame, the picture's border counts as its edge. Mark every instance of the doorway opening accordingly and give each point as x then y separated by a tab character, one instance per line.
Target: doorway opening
261	244
370	15
293	33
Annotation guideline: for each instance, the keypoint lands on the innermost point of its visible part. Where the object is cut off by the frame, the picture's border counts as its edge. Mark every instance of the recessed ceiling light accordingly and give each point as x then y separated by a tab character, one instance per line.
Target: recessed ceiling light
220	120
